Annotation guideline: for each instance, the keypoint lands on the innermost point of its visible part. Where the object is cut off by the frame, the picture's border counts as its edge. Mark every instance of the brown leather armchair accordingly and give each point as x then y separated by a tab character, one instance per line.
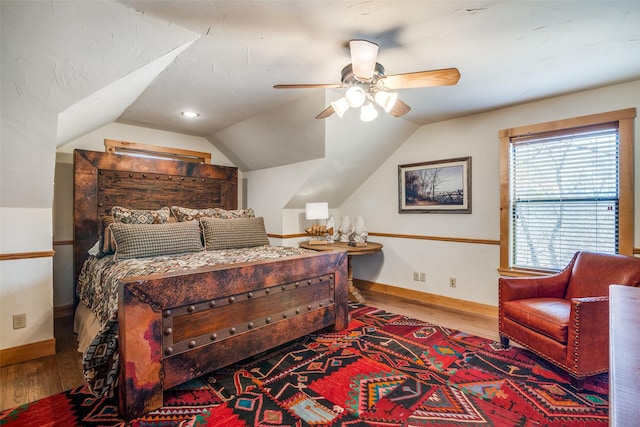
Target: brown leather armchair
564	318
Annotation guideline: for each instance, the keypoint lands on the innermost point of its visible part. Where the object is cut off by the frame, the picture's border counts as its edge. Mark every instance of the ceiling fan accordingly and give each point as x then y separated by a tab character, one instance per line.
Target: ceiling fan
367	84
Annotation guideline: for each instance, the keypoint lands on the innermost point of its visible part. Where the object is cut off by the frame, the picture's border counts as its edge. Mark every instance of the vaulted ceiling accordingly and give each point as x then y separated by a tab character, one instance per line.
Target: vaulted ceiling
143	62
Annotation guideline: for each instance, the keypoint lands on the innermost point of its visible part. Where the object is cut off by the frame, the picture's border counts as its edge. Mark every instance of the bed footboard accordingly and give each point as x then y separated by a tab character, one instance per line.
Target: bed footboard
176	327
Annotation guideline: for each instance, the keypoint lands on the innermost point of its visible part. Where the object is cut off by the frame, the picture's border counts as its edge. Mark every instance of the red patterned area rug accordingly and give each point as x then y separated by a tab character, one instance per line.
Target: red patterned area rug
384	370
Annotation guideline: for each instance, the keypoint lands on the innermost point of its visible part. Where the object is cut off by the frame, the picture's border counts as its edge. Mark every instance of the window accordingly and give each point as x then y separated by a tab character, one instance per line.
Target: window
567	186
156	152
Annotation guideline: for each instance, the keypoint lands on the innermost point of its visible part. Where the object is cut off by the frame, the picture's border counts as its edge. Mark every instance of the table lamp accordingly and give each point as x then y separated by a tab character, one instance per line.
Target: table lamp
317	211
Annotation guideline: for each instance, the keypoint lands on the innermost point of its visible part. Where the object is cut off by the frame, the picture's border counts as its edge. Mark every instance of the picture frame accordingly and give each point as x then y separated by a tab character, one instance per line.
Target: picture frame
441	186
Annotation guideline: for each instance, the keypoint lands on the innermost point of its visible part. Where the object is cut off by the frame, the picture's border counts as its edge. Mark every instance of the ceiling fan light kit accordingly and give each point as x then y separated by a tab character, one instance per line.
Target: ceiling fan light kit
363	58
368	112
386	100
366	82
340	106
355	96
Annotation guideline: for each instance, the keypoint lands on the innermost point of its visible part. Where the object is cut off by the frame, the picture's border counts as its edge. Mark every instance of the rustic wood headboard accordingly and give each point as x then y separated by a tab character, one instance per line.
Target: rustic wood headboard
103	180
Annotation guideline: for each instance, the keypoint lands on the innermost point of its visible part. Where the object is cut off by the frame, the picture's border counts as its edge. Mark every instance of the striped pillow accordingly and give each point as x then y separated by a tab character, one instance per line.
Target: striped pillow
147	240
233	233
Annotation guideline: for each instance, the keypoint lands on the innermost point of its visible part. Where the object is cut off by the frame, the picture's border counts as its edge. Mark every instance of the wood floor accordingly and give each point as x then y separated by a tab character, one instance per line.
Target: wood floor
29	381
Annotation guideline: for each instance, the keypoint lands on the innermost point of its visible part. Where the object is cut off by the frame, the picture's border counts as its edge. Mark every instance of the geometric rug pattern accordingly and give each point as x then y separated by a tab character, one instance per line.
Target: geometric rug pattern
383	370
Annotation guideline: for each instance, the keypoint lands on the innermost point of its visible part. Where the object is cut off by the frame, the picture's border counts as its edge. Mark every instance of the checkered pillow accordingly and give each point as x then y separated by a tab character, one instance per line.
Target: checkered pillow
233	233
188	214
146	240
140	216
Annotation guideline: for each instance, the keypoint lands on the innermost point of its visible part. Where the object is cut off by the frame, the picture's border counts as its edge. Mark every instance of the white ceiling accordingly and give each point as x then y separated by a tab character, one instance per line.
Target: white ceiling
508	52
80	65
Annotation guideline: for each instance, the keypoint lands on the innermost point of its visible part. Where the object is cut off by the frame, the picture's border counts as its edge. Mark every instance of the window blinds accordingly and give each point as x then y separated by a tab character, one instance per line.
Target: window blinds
564	195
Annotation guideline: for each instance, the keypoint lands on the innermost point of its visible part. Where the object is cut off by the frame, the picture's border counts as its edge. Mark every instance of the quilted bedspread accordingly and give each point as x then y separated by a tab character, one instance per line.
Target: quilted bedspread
98	290
98	281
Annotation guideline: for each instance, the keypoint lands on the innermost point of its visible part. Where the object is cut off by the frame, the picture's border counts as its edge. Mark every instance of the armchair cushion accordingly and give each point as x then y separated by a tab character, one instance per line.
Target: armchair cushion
548	316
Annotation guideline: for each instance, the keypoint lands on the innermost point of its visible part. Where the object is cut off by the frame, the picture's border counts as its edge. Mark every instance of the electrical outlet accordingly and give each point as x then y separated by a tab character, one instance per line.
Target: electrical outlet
416	276
19	321
452	282
423	277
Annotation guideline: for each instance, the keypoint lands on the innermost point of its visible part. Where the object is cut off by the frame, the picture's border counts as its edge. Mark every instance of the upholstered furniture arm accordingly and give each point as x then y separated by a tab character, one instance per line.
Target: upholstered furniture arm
588	335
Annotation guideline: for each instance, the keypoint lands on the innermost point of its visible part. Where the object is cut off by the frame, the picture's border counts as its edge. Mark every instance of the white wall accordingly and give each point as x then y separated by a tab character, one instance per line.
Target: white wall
25	284
473	265
63	192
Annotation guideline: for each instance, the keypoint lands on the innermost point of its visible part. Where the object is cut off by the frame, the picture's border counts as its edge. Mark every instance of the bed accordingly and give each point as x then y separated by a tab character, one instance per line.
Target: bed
174	326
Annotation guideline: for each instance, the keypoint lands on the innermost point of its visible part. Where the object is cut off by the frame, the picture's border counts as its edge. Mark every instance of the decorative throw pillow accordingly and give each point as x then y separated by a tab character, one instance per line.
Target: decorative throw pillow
233	233
188	214
147	240
140	216
107	244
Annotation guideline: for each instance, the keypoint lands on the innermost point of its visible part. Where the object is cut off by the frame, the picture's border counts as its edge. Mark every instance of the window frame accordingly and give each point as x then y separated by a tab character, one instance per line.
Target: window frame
625	119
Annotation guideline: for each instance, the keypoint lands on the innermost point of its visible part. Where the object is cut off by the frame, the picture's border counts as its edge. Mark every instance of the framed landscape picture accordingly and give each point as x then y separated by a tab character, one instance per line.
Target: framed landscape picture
442	186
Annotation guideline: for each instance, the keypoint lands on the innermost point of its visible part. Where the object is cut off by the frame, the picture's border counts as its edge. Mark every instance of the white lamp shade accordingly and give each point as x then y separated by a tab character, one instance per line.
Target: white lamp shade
355	96
386	100
363	58
368	112
318	210
340	106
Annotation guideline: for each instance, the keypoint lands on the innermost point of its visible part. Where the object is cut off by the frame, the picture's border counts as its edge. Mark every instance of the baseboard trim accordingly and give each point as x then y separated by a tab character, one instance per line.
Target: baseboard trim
23	353
427	298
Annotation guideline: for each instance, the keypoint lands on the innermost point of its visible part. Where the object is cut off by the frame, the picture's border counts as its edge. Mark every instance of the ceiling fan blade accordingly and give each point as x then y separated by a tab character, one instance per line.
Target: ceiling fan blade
308	86
399	109
363	58
444	77
326	113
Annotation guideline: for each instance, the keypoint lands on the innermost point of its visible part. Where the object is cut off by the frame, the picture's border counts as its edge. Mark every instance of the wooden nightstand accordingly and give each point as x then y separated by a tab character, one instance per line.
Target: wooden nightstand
352	251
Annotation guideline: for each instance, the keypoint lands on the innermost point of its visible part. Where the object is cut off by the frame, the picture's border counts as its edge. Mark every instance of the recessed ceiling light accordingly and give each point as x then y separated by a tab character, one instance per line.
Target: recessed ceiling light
190	114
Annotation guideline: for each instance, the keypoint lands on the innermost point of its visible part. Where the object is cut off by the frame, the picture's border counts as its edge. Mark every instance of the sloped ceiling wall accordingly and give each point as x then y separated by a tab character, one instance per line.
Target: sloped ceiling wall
71	67
54	55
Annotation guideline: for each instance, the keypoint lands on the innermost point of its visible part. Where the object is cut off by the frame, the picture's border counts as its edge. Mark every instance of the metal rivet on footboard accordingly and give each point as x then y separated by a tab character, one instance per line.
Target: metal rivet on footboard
267	291
284	315
213	337
170	178
267	320
308	282
232	331
297	284
297	311
212	304
309	307
192	344
331	276
250	325
168	351
168	331
232	299
283	287
167	313
157	177
320	304
144	175
191	308
250	295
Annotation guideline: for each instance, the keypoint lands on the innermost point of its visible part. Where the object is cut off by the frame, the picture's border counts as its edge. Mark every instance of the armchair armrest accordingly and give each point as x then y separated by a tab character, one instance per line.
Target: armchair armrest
588	335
